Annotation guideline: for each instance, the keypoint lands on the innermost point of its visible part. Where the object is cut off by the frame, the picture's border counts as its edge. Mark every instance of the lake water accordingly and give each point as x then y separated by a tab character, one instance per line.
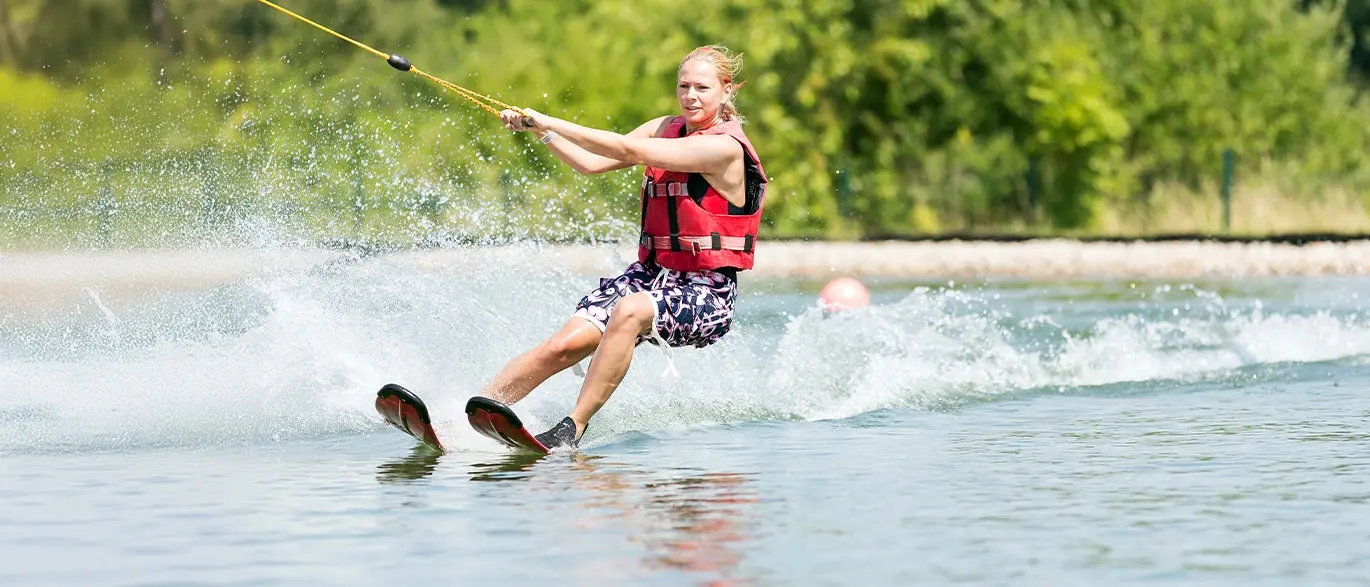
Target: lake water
986	433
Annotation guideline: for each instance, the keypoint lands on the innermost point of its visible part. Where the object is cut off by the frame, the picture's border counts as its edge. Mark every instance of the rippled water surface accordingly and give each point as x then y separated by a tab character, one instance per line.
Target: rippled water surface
1078	433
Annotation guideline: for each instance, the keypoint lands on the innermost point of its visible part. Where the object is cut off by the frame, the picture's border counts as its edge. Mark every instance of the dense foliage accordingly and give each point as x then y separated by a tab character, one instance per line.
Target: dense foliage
156	119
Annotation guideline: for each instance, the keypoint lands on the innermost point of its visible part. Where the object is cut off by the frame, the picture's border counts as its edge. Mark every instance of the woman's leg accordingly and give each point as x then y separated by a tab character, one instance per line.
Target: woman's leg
576	340
631	317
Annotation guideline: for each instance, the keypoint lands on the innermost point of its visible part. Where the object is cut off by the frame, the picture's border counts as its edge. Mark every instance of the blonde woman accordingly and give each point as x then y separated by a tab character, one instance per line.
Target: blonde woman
701	195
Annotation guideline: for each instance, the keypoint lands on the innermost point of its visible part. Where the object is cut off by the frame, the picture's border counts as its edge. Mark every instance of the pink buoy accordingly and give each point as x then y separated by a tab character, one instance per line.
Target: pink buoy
844	293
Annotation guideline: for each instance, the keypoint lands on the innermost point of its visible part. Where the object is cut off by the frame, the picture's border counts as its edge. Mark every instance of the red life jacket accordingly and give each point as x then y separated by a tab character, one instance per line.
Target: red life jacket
694	232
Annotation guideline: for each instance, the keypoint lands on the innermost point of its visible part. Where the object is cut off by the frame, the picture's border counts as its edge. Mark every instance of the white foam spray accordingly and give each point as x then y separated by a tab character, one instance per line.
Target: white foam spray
300	355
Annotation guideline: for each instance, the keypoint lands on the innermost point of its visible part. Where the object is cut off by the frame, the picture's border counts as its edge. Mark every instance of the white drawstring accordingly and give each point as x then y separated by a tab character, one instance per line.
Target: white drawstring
666	350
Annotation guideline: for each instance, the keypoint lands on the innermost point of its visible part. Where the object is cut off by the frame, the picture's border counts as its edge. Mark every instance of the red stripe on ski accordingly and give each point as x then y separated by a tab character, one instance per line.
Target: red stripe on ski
497	421
404	410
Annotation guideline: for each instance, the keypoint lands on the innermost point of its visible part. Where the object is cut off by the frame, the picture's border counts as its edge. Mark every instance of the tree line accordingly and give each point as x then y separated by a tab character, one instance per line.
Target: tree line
156	118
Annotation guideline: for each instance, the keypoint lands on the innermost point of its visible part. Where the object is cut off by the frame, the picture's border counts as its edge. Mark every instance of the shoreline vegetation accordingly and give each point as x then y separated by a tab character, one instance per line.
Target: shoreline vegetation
123	124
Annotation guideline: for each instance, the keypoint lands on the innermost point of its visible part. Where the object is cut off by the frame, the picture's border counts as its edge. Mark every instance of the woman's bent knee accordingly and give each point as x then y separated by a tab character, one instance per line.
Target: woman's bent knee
566	349
634	312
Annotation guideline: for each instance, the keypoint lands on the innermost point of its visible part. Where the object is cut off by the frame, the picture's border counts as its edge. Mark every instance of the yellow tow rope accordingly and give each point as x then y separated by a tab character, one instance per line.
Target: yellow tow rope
403	64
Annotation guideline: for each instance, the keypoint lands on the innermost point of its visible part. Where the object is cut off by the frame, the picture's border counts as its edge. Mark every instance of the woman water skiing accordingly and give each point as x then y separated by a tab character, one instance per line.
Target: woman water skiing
702	195
701	208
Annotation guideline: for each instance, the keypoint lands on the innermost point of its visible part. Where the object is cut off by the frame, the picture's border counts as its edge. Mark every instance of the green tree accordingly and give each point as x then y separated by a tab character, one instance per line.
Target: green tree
875	117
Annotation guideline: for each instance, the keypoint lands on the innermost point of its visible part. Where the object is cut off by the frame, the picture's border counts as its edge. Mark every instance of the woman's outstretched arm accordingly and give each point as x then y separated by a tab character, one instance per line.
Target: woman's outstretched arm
708	154
586	162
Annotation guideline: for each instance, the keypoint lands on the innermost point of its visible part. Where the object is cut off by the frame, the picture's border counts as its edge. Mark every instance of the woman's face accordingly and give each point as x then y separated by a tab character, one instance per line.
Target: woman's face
701	93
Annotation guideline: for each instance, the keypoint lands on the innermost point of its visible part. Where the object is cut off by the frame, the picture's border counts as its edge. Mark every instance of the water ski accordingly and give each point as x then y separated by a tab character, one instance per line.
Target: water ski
404	410
497	421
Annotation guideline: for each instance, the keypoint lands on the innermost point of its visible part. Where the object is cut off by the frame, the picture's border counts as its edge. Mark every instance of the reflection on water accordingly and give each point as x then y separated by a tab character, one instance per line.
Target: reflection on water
419	464
511	467
687	520
708	519
691	520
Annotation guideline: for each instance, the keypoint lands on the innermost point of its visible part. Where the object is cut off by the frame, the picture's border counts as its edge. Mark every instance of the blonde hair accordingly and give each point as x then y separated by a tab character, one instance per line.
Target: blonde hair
728	64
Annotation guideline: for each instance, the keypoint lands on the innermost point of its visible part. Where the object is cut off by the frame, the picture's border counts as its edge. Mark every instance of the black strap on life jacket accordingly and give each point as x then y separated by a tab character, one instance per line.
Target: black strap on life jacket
672	220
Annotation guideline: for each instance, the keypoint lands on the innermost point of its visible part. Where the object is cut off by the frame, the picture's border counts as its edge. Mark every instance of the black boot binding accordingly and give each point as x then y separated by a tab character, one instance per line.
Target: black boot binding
563	434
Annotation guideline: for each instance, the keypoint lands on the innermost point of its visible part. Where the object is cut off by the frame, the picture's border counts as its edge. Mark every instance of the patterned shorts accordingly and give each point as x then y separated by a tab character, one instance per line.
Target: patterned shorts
692	308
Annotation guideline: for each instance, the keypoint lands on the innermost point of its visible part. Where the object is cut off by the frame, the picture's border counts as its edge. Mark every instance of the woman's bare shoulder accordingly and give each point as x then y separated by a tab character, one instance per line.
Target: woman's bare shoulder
655	127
